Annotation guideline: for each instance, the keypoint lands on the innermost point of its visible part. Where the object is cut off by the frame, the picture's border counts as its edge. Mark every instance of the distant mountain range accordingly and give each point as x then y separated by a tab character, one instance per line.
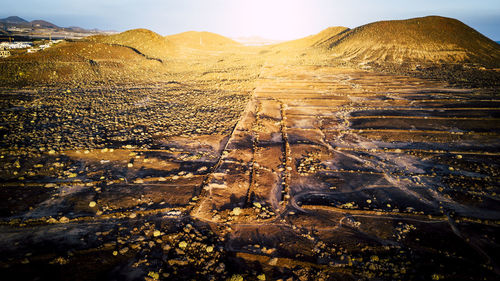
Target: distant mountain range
424	40
434	47
10	24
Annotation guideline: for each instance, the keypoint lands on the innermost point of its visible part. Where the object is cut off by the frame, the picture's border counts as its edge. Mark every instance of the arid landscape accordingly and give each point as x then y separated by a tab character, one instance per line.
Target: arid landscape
370	153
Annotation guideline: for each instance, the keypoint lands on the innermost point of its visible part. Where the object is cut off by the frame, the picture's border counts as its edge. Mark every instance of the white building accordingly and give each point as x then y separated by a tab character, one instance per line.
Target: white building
16	45
4	53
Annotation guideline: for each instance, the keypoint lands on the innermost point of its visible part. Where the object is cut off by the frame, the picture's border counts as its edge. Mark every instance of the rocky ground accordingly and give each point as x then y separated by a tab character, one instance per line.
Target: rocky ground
319	173
458	75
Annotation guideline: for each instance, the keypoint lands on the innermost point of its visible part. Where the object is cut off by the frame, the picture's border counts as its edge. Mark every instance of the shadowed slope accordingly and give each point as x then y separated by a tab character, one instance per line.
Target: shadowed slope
145	41
430	39
75	62
14	19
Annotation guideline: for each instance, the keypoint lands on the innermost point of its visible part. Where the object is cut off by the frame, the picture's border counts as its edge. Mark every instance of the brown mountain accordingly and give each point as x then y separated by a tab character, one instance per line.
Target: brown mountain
14	19
37	25
316	39
430	39
201	40
43	24
145	41
76	62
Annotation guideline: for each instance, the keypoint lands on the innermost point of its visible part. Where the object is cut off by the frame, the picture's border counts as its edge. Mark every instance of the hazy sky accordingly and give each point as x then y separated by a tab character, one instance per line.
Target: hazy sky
273	19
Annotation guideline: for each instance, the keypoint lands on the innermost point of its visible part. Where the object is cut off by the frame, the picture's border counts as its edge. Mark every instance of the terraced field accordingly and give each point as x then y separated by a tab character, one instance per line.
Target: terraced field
331	173
192	157
394	171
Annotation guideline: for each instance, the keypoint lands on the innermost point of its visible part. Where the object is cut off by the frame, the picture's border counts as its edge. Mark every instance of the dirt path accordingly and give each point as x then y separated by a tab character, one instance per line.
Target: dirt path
346	173
364	148
322	132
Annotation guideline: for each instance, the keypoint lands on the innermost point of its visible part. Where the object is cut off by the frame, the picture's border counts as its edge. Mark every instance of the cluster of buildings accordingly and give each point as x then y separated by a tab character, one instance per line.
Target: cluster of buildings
4	53
5	46
18	29
44	46
30	48
15	45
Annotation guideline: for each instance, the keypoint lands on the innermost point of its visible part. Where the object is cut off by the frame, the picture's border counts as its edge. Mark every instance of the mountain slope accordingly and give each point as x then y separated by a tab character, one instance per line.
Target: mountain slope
13	19
43	24
202	40
316	39
78	62
430	39
145	41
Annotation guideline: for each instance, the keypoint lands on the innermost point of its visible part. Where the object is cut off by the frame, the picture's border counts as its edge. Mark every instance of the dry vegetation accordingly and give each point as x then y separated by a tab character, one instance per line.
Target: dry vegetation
416	40
454	52
141	157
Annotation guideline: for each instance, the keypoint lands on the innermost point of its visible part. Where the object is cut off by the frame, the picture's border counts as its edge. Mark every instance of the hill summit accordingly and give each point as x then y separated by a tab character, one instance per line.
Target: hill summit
145	41
201	40
314	40
13	19
43	24
431	39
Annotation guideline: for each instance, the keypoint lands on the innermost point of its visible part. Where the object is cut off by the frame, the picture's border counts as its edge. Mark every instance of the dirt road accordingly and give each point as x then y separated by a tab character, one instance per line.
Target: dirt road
360	157
330	173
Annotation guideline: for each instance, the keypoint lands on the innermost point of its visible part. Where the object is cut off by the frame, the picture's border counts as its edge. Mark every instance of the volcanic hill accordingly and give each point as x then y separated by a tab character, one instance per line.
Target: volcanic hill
75	62
314	40
14	19
433	47
202	40
431	39
147	42
43	24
